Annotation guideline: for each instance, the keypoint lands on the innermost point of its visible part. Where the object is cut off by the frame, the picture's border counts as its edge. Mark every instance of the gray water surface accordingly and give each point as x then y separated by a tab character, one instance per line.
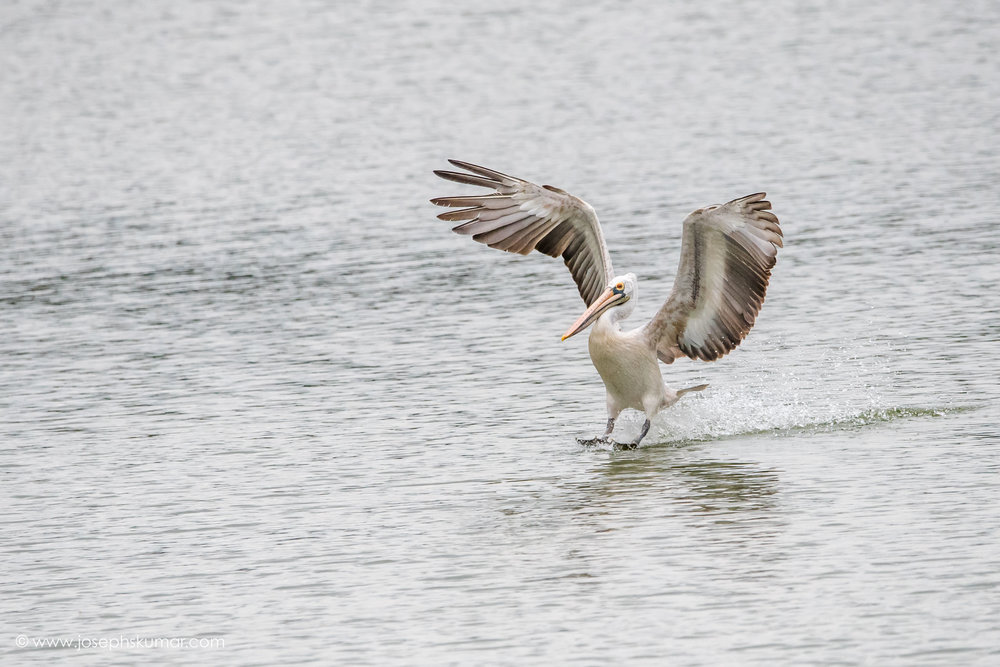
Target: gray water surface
251	389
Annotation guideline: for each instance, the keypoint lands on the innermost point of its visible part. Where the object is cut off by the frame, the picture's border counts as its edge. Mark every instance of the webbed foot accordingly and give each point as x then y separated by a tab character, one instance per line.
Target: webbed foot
625	446
590	442
600	440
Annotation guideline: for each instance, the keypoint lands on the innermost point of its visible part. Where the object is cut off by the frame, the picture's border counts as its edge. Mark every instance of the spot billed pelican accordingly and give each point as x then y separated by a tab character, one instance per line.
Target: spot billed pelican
727	252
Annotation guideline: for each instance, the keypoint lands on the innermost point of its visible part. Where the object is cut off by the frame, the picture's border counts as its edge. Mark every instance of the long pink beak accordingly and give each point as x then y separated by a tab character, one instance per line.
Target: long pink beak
608	299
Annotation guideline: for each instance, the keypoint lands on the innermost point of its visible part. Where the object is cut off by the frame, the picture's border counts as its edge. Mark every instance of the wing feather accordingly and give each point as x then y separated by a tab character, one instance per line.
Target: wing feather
727	254
519	216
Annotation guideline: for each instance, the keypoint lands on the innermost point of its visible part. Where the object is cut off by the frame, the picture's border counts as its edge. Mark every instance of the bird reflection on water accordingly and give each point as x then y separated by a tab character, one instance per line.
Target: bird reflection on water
697	484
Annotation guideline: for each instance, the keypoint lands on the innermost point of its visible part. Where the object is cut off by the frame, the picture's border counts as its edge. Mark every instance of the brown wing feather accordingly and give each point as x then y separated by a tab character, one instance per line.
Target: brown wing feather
727	254
520	216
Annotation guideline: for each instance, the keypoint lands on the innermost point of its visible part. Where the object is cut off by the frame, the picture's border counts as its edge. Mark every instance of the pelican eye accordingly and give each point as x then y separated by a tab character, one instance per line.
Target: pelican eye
620	287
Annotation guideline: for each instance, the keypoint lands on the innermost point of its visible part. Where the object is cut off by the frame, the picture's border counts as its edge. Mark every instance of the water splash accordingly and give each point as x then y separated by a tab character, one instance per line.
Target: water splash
782	388
866	418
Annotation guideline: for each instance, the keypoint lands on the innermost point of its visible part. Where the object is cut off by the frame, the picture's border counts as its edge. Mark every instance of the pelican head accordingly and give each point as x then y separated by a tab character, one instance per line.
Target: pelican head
620	291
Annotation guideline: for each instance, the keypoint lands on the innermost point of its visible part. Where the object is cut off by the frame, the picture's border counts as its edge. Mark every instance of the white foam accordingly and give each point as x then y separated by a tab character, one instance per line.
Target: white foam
775	389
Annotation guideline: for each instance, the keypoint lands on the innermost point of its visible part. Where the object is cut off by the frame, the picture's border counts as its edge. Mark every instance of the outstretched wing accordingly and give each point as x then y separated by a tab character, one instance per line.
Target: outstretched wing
520	217
727	254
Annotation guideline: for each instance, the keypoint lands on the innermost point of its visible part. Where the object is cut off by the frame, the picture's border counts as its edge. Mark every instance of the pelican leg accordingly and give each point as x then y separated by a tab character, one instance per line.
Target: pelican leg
645	430
635	443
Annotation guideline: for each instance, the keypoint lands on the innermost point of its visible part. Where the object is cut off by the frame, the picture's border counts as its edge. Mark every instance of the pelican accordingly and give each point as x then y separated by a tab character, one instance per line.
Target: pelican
727	253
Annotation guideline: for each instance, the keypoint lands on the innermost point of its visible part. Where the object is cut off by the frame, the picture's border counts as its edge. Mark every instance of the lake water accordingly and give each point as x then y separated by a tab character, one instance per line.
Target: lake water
251	390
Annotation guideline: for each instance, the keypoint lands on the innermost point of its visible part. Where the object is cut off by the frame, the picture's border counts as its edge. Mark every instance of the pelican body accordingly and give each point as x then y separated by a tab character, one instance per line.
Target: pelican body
727	253
628	365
